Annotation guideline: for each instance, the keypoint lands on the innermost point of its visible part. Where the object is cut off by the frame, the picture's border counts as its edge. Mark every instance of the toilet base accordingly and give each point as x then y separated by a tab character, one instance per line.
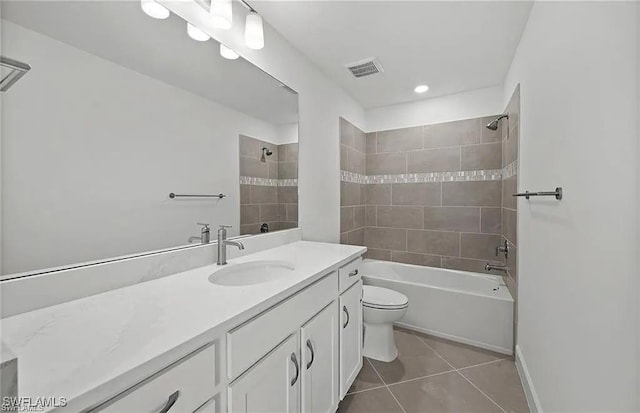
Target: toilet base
379	342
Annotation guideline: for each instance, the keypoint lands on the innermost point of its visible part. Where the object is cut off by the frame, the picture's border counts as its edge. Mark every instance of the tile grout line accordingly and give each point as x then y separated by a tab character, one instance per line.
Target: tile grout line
386	386
463	376
485	394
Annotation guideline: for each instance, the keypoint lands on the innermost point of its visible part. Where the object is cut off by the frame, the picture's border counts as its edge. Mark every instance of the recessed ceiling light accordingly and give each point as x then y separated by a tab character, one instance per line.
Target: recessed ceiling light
421	88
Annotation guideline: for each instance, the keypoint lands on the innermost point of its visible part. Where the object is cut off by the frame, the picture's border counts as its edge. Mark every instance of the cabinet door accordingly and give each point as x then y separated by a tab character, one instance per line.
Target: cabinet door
273	384
350	336
319	347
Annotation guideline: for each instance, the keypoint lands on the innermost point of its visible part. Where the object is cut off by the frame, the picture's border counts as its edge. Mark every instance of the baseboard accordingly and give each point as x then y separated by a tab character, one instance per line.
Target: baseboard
507	351
527	384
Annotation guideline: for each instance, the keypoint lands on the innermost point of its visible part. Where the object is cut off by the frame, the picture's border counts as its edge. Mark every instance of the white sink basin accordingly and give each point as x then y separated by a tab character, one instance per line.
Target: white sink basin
250	273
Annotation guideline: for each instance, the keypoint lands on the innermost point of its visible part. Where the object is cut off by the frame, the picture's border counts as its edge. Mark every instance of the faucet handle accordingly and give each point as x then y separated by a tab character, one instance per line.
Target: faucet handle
202	223
225	226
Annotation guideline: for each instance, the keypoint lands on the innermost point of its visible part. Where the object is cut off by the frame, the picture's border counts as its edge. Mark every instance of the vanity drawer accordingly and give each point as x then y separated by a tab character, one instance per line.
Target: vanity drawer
187	385
350	274
276	324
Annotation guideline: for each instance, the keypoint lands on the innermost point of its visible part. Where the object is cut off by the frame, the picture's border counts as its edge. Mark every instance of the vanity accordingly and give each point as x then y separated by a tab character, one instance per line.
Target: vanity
186	343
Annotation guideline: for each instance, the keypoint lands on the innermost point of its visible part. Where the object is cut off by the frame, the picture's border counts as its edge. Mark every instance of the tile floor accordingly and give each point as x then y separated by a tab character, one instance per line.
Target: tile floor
436	375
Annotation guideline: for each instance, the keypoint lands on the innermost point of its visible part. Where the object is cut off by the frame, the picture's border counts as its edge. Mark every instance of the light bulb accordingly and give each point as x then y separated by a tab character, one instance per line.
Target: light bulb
197	34
421	88
153	9
253	31
221	14
228	53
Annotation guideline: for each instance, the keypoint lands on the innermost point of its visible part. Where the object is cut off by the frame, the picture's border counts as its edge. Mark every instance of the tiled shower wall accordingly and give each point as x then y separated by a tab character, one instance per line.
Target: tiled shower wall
352	194
432	195
268	190
510	143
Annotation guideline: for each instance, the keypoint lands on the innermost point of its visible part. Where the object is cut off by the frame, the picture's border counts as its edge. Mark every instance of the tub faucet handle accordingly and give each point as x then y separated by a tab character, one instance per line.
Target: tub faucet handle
503	248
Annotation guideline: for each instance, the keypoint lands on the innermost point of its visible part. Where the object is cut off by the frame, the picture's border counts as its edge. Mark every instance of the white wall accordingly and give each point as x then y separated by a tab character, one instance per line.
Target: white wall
464	105
321	102
578	284
91	151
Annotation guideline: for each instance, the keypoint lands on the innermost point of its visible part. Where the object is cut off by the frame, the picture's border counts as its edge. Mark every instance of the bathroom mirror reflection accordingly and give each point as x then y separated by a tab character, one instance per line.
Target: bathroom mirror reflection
117	111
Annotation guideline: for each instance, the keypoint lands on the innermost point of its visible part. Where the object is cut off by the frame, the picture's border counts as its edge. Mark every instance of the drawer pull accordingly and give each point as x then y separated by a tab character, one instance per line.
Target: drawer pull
172	400
346	323
353	273
313	354
295	363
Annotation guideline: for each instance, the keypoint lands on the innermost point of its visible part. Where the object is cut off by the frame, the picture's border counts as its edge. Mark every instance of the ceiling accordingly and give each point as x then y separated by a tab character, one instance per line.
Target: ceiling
452	46
120	32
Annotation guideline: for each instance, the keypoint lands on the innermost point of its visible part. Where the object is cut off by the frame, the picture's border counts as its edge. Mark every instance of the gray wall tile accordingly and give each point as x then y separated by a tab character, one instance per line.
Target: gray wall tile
424	194
350	194
477	193
378	194
245	194
346	219
356	237
416	259
434	160
253	167
399	140
356	162
360	140
370	216
399	216
386	163
462	132
249	214
358	216
479	246
509	225
491	220
452	218
433	242
347	133
375	254
510	187
483	156
510	147
268	212
371	143
385	238
264	194
288	194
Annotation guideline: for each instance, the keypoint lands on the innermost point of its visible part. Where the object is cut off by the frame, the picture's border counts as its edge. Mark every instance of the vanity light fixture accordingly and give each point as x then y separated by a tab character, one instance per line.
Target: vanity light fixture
421	88
197	34
221	13
253	31
154	9
228	53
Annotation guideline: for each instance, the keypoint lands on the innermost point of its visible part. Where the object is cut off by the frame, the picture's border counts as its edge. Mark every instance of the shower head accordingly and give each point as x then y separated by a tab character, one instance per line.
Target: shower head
12	71
265	152
493	125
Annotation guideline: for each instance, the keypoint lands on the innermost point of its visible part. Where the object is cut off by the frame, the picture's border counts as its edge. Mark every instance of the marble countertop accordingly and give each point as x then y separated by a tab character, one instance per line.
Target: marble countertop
90	348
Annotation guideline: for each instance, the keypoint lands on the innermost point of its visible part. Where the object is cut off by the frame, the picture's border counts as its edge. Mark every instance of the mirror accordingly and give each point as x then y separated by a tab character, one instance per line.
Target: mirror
117	111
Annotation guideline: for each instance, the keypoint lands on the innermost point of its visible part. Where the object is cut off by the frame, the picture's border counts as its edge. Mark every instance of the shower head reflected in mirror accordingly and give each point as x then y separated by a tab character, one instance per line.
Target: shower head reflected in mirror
493	125
265	152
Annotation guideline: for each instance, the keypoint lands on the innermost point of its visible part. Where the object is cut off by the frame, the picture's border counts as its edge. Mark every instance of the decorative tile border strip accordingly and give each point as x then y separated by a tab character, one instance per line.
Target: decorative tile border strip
510	170
458	176
249	180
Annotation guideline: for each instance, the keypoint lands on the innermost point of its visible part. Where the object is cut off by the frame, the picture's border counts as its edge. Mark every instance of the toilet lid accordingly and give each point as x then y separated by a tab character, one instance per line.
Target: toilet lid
383	297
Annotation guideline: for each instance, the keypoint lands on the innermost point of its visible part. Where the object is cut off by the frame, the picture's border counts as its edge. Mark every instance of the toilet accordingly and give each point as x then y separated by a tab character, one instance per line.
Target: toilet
381	308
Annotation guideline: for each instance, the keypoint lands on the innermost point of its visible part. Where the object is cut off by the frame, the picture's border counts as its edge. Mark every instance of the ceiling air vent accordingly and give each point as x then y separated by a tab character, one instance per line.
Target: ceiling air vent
365	67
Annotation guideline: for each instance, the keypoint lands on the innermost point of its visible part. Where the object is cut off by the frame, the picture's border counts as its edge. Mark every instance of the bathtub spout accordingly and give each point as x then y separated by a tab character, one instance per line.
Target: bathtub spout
491	267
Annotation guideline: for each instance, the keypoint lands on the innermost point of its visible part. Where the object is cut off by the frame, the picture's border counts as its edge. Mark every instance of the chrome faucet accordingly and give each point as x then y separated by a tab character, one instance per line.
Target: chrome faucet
491	267
205	235
223	242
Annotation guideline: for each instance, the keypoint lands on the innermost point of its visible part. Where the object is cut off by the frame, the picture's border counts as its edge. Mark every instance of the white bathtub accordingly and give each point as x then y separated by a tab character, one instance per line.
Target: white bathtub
467	307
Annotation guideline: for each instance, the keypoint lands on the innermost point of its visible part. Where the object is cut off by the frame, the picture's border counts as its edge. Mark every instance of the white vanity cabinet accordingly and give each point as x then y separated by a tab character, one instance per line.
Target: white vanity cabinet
320	361
350	336
272	385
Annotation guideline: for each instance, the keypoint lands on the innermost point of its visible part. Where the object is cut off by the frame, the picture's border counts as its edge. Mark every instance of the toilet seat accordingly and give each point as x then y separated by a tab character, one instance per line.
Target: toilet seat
383	298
